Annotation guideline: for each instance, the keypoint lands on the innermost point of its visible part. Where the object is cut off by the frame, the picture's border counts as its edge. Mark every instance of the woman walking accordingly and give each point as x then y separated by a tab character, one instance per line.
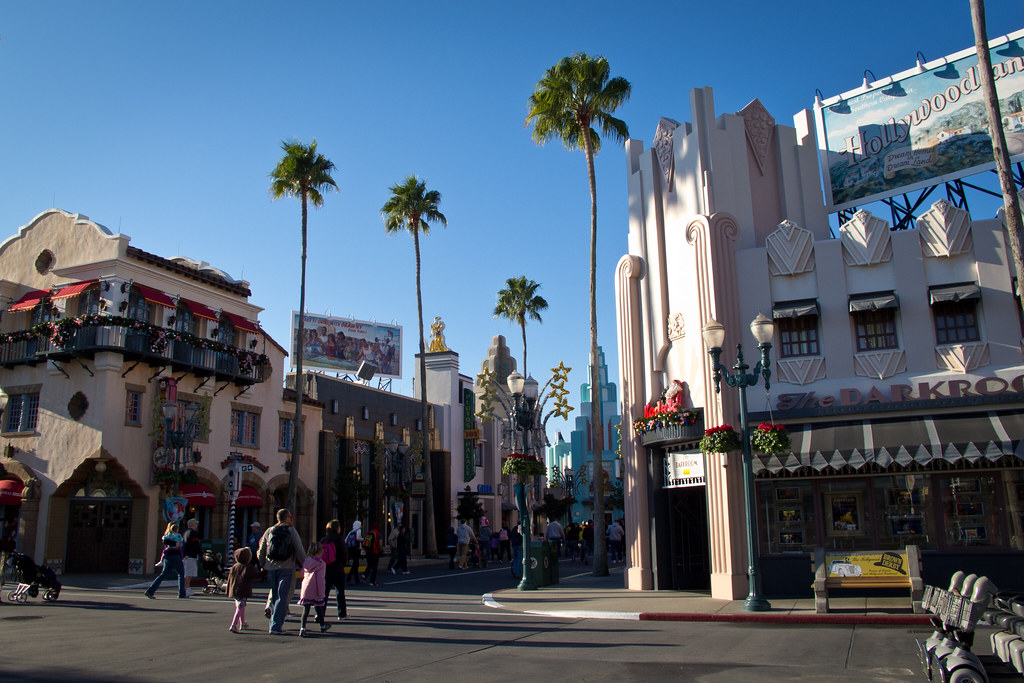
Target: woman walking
313	592
335	576
171	561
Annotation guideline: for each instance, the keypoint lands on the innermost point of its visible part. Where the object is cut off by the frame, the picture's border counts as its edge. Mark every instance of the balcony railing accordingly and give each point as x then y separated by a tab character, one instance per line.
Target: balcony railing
676	433
135	345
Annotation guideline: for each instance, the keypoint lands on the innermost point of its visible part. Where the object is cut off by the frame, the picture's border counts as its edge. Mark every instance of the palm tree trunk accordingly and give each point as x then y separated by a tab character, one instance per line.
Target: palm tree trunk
293	472
429	530
596	423
522	326
999	149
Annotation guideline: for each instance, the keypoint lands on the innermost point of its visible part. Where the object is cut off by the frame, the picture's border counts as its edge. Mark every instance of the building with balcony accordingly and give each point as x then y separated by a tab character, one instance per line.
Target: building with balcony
896	366
126	377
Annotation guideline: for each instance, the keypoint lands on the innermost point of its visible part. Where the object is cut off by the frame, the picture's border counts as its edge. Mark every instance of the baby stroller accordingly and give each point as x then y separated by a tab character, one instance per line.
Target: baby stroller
217	582
473	556
32	577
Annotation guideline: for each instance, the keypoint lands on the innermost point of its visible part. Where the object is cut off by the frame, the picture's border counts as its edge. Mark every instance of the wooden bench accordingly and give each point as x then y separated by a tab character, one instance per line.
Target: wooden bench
867	569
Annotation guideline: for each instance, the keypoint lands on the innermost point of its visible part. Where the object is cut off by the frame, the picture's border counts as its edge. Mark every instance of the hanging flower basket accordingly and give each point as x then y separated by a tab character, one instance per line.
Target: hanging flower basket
521	466
657	417
770	439
721	439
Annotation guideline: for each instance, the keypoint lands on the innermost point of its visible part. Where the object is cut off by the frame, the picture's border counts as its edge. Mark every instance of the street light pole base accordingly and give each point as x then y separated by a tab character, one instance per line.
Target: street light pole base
526	586
756	604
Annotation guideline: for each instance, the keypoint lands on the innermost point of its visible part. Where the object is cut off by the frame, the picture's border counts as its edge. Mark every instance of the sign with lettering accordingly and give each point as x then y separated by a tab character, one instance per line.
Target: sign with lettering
468	438
866	563
684	470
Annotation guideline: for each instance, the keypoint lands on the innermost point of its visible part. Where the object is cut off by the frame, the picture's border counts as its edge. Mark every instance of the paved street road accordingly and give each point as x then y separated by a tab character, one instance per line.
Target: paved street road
428	626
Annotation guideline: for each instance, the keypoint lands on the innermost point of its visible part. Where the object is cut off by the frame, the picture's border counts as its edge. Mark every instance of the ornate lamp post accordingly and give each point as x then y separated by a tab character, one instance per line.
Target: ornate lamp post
178	435
714	335
523	415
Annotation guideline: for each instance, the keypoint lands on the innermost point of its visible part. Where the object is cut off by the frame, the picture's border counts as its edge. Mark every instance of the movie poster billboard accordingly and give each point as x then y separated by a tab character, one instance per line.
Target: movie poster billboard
341	344
921	127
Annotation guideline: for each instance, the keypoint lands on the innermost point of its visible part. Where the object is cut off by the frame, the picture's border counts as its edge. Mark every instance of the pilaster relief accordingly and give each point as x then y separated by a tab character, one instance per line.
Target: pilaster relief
800	370
945	230
879	364
962	357
866	240
663	148
790	250
759	126
676	326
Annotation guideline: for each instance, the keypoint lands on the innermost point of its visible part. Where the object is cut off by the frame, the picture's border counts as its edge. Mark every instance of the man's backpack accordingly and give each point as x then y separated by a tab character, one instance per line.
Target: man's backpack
352	541
503	535
371	543
279	546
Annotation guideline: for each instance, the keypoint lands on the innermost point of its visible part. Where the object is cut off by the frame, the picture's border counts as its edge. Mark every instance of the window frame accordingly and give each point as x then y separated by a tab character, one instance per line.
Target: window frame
245	428
24	405
939	309
133	407
890	339
785	345
285	433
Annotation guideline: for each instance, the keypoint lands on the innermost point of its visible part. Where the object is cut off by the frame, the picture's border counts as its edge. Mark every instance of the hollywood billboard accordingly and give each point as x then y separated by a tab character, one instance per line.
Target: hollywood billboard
920	127
341	344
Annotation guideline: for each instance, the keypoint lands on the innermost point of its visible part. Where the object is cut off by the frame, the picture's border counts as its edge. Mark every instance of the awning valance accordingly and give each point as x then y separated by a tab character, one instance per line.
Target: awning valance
200	310
248	498
241	323
197	495
795	309
873	301
902	441
29	301
10	492
73	289
155	296
948	293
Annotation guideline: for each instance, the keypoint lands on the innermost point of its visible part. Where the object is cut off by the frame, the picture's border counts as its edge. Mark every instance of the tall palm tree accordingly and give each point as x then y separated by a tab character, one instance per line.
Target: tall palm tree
575	95
306	174
412	207
519	301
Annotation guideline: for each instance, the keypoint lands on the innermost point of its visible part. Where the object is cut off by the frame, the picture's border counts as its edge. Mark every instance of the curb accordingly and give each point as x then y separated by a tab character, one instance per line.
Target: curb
769	618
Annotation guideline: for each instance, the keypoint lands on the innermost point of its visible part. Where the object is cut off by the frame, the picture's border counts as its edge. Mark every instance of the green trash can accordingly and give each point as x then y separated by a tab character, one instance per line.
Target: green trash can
540	563
552	566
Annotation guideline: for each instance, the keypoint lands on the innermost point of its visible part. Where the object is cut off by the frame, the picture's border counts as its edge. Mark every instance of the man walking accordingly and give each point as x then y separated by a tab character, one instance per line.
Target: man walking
555	535
465	535
280	552
192	547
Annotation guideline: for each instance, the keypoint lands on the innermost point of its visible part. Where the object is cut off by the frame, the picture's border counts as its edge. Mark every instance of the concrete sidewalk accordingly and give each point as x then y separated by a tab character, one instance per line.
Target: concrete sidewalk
581	595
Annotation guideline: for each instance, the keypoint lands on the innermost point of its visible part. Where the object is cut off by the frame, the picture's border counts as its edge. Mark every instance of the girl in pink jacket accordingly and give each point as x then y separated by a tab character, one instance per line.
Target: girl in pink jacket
313	593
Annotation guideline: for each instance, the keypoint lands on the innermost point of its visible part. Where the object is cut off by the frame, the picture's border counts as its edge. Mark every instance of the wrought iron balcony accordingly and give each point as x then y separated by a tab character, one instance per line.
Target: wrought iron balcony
676	433
149	346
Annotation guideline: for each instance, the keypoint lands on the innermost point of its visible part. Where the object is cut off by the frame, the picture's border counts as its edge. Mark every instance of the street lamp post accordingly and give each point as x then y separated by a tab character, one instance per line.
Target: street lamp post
177	439
714	335
522	415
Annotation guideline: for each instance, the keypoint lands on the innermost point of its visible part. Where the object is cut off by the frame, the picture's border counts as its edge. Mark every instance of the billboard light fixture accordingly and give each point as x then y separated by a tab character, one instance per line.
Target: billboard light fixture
1012	49
949	72
840	107
921	61
866	85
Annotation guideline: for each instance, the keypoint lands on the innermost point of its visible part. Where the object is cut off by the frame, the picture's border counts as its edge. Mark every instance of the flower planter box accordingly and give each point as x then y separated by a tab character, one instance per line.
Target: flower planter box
675	433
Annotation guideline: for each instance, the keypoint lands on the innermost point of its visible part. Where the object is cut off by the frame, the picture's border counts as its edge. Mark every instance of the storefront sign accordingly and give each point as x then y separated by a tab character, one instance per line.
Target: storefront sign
867	563
903	393
469	435
684	469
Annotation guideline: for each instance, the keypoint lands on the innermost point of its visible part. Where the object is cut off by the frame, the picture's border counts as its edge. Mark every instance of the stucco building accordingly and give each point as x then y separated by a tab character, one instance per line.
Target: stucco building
97	337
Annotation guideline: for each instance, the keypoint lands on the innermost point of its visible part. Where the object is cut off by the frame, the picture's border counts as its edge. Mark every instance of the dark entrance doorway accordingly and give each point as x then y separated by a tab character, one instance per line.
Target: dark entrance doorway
99	532
688	523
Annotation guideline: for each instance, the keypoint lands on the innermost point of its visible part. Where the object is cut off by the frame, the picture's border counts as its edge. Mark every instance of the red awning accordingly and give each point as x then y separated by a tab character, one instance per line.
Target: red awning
10	492
241	323
200	310
29	301
197	495
155	296
248	498
72	290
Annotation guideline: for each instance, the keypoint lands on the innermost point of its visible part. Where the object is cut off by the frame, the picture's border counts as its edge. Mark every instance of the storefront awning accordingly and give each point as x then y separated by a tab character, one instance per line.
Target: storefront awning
73	289
155	296
197	495
905	441
248	498
947	293
10	492
29	301
241	323
200	310
873	301
795	309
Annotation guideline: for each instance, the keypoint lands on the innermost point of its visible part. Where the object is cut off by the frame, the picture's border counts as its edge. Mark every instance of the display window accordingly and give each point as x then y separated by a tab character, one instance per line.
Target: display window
788	516
906	500
969	509
1014	496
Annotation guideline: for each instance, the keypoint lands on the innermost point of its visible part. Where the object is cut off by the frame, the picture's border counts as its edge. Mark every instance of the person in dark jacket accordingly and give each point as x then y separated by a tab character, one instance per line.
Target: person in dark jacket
240	580
452	541
404	546
336	569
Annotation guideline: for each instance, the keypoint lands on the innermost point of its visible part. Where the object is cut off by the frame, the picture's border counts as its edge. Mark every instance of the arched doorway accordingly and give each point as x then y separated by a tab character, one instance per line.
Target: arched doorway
99	525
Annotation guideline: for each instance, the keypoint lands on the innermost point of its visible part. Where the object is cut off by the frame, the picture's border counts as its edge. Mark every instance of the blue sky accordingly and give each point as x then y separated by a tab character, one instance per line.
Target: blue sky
162	120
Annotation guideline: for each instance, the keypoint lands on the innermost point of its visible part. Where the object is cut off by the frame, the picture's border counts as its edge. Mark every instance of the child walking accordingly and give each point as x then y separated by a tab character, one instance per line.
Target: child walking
240	580
313	592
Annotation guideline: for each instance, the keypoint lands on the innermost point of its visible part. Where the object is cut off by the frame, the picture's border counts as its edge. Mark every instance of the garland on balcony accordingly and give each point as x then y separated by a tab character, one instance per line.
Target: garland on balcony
660	416
60	331
721	439
770	439
520	465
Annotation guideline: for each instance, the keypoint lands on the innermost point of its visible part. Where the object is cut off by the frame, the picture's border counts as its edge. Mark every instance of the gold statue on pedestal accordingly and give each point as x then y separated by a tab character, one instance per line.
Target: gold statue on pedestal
437	342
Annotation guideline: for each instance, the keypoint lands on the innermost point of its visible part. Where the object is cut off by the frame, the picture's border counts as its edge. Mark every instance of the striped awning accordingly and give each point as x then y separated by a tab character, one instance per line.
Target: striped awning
829	447
241	323
29	301
200	310
155	296
197	495
73	290
248	497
